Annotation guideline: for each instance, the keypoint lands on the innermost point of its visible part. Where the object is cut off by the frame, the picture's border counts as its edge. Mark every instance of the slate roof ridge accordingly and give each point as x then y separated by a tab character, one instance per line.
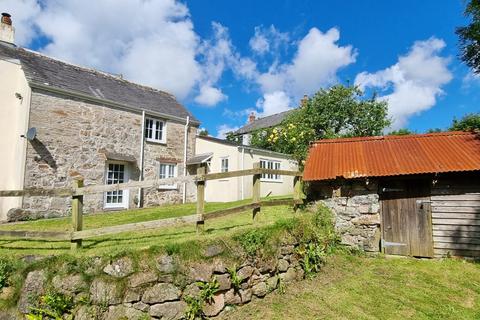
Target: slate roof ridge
95	71
394	137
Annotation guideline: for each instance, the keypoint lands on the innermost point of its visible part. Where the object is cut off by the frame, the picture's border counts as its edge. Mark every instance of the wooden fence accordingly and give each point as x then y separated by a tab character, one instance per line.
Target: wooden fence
78	190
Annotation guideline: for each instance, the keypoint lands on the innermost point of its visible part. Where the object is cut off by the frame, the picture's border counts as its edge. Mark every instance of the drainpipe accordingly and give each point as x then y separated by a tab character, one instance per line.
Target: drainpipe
142	151
184	195
243	167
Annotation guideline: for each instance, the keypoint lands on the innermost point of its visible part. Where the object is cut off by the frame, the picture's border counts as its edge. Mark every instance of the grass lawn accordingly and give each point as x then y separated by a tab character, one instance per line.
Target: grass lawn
218	227
353	287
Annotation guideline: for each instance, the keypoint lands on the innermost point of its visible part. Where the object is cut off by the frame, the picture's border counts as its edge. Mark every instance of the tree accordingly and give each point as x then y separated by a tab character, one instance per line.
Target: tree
203	133
469	122
230	136
341	111
470	37
401	132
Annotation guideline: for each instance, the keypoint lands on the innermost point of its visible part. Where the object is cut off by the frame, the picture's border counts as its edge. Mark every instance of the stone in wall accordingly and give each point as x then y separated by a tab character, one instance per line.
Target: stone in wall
357	215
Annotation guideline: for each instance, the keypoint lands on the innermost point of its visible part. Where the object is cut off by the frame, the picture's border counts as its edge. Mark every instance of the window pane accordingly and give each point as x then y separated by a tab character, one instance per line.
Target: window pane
171	171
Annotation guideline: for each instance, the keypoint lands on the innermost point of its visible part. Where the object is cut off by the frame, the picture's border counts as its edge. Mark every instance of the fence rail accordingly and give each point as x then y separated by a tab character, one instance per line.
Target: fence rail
78	190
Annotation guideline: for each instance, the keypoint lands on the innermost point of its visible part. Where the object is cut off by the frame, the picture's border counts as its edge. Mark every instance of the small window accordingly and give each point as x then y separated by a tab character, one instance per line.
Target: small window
155	130
168	171
224	166
270	164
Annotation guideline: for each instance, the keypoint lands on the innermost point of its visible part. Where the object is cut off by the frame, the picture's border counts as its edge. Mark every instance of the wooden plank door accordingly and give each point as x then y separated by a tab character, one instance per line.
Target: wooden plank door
406	218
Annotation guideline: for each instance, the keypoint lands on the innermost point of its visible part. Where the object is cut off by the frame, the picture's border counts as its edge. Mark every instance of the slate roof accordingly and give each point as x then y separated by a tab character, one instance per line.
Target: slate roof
351	158
47	71
265	122
200	158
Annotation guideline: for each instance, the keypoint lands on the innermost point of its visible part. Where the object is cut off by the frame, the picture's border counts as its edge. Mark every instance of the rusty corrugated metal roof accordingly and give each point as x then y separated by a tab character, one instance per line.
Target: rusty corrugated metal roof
393	155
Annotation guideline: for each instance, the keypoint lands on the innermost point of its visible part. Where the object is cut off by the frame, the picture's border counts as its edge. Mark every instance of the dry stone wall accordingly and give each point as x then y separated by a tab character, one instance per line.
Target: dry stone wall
75	138
123	289
357	215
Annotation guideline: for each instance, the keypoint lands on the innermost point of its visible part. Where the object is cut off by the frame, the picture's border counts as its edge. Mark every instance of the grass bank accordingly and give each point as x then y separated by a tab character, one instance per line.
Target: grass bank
355	287
141	239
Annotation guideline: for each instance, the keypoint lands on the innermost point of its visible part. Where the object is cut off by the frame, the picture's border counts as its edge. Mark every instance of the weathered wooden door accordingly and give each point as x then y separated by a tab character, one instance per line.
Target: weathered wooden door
406	218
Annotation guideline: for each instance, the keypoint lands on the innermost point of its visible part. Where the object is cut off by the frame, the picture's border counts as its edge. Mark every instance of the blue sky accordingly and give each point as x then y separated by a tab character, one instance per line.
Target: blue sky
224	59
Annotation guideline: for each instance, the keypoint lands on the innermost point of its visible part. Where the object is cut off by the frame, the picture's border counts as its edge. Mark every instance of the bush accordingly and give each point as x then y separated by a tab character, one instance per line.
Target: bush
4	273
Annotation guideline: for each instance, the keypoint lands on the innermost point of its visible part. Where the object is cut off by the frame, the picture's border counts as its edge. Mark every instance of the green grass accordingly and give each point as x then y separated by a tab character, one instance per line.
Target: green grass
219	227
353	287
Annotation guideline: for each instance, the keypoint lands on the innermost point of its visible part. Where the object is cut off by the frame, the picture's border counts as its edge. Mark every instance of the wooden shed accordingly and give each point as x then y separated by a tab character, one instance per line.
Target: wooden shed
426	188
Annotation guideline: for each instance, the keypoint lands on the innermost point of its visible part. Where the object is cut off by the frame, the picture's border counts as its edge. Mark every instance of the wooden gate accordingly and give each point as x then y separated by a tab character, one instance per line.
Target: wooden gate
406	218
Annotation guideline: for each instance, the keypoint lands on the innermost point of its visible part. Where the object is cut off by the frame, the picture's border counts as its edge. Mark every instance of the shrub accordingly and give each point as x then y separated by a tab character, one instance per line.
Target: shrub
4	273
53	305
253	240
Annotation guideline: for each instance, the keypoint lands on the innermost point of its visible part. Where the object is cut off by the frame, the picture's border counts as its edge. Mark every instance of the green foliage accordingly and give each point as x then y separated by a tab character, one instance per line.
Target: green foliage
401	132
468	123
203	133
341	111
4	273
252	240
313	257
194	308
470	37
235	279
233	138
53	305
195	304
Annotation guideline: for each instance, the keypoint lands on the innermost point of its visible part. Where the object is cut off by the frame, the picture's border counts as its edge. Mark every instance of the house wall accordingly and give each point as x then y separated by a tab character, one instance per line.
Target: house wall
75	138
13	123
356	208
221	190
455	203
230	189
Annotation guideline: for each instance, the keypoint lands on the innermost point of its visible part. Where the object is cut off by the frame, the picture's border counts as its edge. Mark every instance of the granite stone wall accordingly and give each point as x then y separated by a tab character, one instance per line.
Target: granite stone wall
356	207
75	138
124	289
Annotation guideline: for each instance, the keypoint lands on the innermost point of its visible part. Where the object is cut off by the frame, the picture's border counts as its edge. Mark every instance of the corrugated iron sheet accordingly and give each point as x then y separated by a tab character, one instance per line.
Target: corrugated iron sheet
393	155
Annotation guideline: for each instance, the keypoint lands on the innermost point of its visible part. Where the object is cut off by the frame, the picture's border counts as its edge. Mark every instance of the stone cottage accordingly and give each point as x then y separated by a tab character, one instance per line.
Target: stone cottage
85	123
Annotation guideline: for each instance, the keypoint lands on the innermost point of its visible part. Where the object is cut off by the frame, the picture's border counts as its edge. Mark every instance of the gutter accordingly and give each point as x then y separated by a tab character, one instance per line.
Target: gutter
243	177
36	85
184	195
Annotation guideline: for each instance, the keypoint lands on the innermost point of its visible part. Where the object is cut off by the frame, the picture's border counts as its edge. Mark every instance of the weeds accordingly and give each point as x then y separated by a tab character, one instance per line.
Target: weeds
53	305
206	294
4	273
252	240
235	279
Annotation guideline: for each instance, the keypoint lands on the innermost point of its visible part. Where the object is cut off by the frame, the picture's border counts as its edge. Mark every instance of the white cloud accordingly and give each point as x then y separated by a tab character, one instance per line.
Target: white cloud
23	12
223	129
415	81
209	96
470	79
274	102
150	42
268	40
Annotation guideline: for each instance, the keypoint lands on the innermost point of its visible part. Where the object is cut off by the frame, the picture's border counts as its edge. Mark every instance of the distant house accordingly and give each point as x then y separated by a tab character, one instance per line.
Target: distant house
89	124
256	124
414	195
223	156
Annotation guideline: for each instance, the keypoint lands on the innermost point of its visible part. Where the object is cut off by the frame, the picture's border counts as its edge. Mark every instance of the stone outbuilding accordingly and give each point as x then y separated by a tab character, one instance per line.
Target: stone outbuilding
83	123
415	195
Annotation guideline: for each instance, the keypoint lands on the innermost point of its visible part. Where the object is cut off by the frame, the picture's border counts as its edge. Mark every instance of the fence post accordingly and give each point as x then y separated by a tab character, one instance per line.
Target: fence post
256	190
297	192
200	199
77	214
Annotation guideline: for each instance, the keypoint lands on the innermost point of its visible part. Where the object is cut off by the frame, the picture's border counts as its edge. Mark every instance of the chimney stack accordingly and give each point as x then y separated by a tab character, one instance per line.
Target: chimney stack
251	117
7	31
304	101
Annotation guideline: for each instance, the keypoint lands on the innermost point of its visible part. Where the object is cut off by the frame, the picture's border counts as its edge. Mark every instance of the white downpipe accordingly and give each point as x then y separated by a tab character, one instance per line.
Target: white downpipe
142	151
243	181
184	195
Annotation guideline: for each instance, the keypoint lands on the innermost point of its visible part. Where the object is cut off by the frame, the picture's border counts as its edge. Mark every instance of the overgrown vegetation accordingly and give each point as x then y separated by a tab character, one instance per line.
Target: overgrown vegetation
195	304
52	306
5	270
235	279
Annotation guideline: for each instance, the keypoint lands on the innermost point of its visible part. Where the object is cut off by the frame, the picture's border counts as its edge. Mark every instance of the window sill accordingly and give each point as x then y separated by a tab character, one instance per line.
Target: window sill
166	188
156	141
271	181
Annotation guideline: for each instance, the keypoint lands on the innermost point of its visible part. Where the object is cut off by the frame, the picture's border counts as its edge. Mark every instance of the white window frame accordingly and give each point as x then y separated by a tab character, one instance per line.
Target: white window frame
221	164
125	193
153	129
175	174
271	164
